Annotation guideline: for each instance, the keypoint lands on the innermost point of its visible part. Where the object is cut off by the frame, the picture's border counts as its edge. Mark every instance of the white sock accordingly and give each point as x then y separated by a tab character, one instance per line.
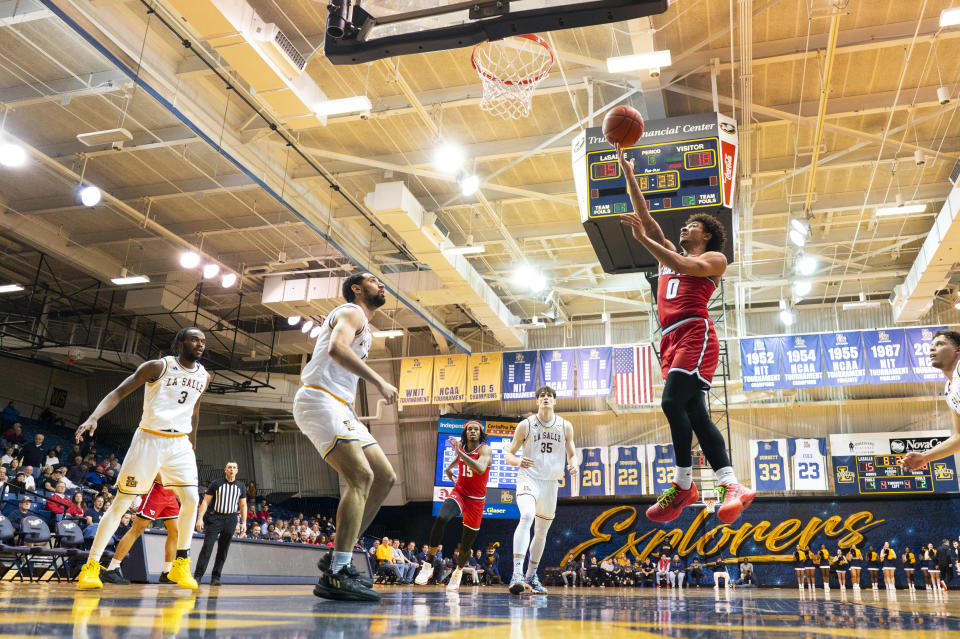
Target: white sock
725	476
113	564
517	565
340	559
167	565
532	569
684	477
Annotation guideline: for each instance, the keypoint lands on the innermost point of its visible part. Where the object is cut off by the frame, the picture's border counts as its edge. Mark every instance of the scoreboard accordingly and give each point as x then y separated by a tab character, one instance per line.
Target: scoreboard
683	166
882	475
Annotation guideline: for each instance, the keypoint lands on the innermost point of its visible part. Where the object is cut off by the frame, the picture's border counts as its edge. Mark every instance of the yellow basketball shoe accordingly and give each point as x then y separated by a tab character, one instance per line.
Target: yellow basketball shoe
90	576
180	573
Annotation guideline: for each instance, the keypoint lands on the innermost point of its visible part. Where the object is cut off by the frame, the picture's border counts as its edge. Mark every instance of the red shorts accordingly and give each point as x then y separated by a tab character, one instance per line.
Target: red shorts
691	347
470	508
159	503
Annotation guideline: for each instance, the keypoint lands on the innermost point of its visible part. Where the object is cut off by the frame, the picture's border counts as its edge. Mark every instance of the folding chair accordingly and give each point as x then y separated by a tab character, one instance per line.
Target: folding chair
33	532
8	547
67	550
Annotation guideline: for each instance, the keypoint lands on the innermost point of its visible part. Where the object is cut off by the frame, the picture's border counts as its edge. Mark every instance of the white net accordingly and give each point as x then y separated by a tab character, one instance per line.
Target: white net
510	71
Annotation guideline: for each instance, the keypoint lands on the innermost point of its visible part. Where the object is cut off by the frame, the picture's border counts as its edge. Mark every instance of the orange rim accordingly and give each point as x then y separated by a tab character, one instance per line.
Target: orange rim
529	36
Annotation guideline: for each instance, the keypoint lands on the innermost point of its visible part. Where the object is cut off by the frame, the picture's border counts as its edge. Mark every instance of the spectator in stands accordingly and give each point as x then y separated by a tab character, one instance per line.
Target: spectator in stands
78	471
10	415
59	503
695	573
94	478
7	456
663	569
22	511
411	553
271	534
19	483
51	460
28	480
263	513
385	559
677	572
95	512
78	503
14	435
251	492
407	567
3	479
126	522
47	480
33	454
719	568
569	570
607	568
254	532
746	573
62	473
331	539
50	418
648	573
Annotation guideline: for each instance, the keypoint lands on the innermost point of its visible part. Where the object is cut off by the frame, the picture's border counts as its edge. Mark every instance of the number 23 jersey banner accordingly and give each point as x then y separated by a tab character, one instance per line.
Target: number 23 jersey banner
808	463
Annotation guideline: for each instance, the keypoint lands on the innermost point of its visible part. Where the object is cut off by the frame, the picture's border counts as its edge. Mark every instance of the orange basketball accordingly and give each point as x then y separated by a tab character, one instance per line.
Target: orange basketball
623	125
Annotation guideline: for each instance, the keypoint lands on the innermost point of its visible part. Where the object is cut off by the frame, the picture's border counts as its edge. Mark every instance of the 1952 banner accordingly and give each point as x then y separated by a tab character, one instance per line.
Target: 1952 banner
760	363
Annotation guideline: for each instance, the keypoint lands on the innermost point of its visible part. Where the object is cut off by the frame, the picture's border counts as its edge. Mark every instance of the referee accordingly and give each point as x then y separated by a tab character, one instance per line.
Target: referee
228	497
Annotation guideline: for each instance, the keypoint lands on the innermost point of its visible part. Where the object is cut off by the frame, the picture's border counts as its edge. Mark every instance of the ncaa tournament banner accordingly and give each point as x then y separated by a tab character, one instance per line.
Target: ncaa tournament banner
416	379
592	478
760	363
520	375
808	463
663	466
483	376
449	378
769	468
802	366
918	345
595	371
869	464
887	358
627	475
843	354
556	370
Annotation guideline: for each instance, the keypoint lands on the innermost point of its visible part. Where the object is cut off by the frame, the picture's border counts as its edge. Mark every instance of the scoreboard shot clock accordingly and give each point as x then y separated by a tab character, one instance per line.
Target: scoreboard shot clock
683	165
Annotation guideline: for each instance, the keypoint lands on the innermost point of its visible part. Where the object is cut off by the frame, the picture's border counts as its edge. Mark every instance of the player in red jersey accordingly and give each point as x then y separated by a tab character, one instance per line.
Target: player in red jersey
472	457
689	349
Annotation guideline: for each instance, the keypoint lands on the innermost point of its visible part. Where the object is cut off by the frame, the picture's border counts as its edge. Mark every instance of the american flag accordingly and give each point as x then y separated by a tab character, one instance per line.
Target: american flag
633	375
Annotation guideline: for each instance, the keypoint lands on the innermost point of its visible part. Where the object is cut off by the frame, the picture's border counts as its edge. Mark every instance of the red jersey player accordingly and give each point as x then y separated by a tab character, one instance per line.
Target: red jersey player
472	457
689	350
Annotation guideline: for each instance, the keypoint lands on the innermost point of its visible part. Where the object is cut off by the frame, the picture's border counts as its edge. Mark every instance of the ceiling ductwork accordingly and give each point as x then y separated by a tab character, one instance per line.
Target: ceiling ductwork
261	54
451	278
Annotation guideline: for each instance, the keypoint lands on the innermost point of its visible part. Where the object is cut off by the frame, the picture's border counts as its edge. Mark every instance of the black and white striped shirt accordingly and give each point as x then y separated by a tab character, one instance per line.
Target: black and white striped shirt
226	496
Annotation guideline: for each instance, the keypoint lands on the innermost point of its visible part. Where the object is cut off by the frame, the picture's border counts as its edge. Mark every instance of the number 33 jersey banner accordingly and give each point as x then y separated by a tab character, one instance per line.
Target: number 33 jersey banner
808	463
769	468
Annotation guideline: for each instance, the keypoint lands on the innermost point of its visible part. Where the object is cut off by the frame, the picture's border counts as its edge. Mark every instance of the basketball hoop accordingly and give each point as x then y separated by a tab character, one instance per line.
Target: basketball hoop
710	500
510	71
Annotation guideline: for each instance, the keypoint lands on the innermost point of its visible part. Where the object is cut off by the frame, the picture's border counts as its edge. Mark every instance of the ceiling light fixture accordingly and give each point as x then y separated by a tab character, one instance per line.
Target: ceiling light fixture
787	316
354	104
863	303
210	271
807	265
396	332
228	280
448	158
293	320
950	17
90	195
12	155
315	331
130	279
189	259
639	61
469	184
306	326
466	250
802	288
798	238
10	288
903	209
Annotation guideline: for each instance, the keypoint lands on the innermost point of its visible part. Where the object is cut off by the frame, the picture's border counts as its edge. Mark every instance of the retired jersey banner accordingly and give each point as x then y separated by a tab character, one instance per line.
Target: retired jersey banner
808	463
626	463
918	346
595	371
449	378
843	358
556	370
802	364
416	380
887	360
483	377
760	363
663	466
520	375
592	478
769	468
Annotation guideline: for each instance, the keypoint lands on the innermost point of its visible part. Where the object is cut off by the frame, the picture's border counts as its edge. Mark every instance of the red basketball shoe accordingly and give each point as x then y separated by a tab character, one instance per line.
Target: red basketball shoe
736	499
671	502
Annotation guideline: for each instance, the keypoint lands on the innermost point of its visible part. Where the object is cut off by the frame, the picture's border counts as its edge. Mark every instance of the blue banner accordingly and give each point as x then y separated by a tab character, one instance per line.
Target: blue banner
565	488
760	363
593	472
843	355
887	358
627	470
595	371
918	345
802	365
520	375
663	466
556	370
769	470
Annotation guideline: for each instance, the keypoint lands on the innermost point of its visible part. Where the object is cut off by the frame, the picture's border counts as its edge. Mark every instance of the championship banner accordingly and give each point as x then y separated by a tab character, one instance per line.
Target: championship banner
520	375
416	378
760	363
918	345
595	371
802	365
869	463
483	377
663	466
556	370
808	463
843	353
769	468
449	378
592	478
626	463
887	360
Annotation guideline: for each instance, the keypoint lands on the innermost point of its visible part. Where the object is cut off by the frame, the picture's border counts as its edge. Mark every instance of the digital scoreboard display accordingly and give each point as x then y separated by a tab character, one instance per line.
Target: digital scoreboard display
502	480
882	475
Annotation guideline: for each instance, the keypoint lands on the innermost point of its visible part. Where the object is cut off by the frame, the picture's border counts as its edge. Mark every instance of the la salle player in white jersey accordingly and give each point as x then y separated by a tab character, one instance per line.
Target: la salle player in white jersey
161	444
944	355
323	410
547	441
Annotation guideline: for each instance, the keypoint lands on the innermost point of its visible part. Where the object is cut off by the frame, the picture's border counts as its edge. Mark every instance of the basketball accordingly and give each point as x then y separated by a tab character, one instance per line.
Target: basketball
623	125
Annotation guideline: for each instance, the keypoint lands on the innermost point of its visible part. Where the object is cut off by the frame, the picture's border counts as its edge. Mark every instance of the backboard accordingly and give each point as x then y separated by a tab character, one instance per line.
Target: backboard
364	30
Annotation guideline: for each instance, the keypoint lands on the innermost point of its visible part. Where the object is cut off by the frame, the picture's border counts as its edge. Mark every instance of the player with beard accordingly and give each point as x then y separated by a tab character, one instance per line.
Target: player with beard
472	457
323	410
689	350
944	355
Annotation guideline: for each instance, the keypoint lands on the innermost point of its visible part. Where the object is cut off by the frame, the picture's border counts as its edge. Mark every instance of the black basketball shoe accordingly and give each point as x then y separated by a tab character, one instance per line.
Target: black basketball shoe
165	578
342	587
324	565
114	577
